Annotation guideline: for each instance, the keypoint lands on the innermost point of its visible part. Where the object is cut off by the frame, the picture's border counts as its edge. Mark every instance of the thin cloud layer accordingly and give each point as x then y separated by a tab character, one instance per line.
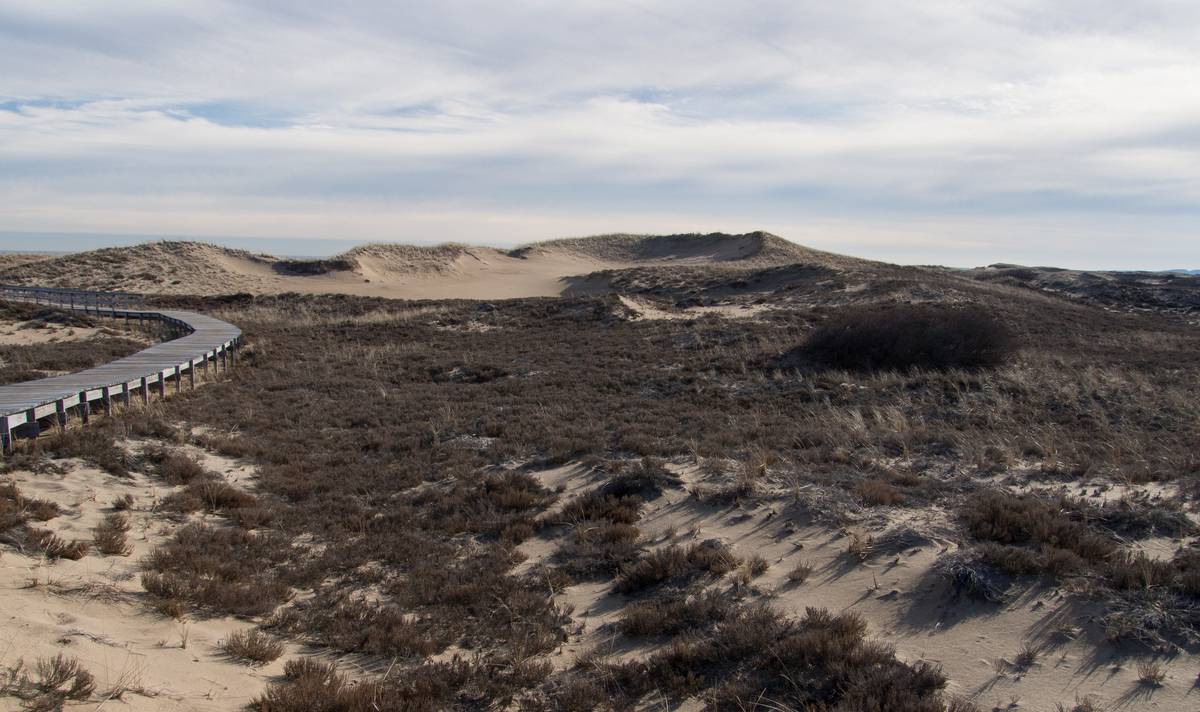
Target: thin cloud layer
1031	131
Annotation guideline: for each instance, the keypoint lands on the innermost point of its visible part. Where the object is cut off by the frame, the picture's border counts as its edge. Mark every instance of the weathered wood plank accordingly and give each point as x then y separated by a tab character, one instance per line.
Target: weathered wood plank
206	337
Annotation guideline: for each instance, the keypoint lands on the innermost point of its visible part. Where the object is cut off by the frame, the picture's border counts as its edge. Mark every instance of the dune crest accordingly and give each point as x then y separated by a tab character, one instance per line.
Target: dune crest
449	270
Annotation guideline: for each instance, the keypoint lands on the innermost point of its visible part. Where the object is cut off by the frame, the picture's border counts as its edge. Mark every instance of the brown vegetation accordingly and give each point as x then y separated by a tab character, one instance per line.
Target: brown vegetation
398	447
252	647
111	535
49	685
930	336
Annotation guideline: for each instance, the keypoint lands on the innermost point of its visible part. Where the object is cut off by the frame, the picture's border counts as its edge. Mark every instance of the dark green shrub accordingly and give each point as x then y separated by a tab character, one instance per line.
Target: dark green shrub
904	336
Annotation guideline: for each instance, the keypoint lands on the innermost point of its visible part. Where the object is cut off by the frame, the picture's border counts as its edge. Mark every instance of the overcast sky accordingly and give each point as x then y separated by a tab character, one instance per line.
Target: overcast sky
953	131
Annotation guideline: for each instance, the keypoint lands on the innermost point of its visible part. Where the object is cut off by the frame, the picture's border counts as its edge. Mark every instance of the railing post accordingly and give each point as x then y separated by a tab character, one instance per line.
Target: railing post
85	408
60	410
178	380
162	386
106	400
192	373
145	392
6	435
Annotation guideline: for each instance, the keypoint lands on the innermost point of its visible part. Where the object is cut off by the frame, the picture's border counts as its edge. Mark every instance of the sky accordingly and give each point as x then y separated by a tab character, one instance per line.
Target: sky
942	131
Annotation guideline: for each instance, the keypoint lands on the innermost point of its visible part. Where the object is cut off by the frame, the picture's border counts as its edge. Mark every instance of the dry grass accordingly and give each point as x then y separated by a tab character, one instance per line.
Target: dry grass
110	536
252	647
1151	673
49	685
800	572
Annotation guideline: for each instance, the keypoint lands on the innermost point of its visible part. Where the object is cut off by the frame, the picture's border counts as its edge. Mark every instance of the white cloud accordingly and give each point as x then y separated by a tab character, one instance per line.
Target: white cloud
458	118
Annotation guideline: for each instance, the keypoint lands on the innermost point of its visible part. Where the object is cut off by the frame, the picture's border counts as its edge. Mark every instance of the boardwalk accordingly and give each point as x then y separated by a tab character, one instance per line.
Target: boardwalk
204	342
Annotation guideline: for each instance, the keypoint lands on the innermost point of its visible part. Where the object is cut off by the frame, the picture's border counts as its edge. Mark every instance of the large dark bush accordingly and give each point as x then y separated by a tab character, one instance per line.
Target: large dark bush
904	336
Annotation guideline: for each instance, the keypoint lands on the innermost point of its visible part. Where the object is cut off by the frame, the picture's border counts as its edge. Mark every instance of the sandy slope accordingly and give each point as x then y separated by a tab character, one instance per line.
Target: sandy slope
93	609
896	590
403	271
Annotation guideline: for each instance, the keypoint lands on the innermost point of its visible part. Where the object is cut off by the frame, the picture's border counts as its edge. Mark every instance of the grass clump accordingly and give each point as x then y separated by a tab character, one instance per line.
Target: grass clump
252	647
111	535
173	465
49	685
53	546
800	572
1151	673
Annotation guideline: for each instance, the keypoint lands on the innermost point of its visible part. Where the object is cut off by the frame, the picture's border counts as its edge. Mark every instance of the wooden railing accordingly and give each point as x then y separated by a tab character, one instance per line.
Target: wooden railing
80	299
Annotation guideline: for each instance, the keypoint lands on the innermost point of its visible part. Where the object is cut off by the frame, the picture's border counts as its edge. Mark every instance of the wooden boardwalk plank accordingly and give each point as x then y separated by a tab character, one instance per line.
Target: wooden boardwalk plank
208	339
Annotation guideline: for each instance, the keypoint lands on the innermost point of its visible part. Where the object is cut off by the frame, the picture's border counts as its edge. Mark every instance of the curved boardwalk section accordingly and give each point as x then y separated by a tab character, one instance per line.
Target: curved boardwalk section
204	341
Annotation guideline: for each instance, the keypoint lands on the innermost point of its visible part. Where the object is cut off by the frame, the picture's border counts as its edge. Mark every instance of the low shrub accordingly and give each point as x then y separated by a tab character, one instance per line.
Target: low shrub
223	570
172	465
597	549
1036	523
674	614
318	686
675	563
970	574
209	493
96	446
646	480
598	506
54	547
904	336
755	653
252	646
878	492
16	509
111	535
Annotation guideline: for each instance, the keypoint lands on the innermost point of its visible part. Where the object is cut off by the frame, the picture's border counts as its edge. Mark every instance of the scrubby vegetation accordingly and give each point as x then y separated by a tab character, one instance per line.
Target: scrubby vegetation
928	336
252	647
758	654
16	513
111	535
50	683
400	450
377	440
25	362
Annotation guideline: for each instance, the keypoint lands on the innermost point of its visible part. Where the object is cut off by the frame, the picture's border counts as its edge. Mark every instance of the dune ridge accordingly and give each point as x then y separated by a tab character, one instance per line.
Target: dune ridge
405	271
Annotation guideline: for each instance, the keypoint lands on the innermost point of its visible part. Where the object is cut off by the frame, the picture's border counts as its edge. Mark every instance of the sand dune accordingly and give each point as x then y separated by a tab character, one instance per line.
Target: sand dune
404	271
